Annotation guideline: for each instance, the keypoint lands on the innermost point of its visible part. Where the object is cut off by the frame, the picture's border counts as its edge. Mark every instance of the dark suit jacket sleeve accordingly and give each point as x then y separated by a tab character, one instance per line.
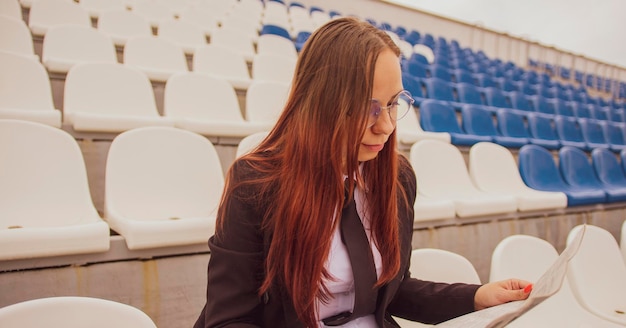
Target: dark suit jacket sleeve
426	301
235	270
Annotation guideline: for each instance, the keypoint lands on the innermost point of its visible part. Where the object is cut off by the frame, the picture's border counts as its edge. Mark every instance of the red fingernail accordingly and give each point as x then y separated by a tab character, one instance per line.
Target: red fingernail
528	288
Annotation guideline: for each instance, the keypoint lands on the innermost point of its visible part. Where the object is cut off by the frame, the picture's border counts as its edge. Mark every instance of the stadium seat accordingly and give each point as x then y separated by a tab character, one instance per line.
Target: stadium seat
409	131
569	132
438	89
614	135
578	172
45	203
463	76
152	11
15	36
73	312
122	25
25	92
186	35
67	45
301	39
562	107
528	257
597	274
543	130
468	94
539	171
224	63
479	121
608	168
207	105
236	40
275	30
205	15
519	100
265	101
496	98
513	124
593	133
247	143
436	116
414	86
46	14
162	187
273	67
425	51
493	169
581	110
442	175
319	18
541	105
158	58
104	97
277	45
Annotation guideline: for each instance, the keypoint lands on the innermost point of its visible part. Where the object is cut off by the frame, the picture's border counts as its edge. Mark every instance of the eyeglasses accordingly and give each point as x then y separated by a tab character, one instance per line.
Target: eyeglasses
397	108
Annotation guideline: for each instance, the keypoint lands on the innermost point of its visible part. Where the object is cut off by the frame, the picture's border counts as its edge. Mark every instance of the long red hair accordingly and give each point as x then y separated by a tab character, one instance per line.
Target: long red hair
302	162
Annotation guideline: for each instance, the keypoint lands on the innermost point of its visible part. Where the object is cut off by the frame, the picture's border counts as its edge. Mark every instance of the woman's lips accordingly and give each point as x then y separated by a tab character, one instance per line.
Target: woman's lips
377	147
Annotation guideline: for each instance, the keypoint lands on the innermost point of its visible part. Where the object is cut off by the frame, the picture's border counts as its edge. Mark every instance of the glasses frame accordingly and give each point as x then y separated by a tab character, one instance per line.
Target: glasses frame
389	107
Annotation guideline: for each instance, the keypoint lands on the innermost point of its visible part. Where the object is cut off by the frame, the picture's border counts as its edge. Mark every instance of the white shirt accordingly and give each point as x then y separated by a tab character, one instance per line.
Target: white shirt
339	267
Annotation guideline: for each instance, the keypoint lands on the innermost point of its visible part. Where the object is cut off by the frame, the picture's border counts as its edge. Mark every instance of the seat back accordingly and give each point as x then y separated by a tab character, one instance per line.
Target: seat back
265	101
493	168
519	100
151	52
445	167
592	132
478	121
273	67
108	89
522	257
541	105
439	89
542	127
73	312
24	83
250	142
202	97
561	107
46	14
468	93
159	173
67	45
568	128
11	8
511	124
440	265
121	25
539	170
576	168
221	61
15	36
187	35
413	85
613	132
152	11
36	160
607	167
495	97
597	272
438	117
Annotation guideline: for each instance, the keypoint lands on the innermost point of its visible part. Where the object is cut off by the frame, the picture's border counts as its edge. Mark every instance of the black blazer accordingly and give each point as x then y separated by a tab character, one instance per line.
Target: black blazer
235	274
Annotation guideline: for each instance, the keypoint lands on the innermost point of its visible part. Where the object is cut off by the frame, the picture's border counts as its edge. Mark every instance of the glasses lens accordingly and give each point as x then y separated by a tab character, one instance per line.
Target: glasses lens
405	102
375	109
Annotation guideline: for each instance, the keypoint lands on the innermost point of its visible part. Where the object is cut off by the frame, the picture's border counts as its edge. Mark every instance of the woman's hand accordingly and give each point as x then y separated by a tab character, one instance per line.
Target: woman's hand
499	292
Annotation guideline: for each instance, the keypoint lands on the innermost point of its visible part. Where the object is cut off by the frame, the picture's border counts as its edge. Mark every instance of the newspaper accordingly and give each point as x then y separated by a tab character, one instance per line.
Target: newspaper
547	285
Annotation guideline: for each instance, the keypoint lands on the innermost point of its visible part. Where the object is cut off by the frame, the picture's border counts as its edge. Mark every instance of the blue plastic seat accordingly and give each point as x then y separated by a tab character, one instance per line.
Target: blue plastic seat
543	131
598	112
616	115
413	85
519	100
479	121
507	85
440	72
608	168
415	68
485	80
539	171
301	39
495	97
614	135
437	116
593	133
541	105
276	30
561	107
570	132
578	172
512	124
441	90
461	75
468	93
580	110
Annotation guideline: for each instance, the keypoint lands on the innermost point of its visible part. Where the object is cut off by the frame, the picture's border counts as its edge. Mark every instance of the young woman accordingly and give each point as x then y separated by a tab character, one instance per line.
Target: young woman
278	257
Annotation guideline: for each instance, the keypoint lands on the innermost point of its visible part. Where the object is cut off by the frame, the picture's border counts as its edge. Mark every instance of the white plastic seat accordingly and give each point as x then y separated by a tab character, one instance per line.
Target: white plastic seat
409	130
597	274
11	8
186	35
493	170
265	101
73	312
224	63
122	25
96	7
319	18
104	97
48	13
425	51
152	11
440	265
202	14
239	25
275	44
442	174
206	105
45	204
271	67
25	91
235	40
15	37
248	143
156	57
622	242
527	257
427	209
67	45
162	187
